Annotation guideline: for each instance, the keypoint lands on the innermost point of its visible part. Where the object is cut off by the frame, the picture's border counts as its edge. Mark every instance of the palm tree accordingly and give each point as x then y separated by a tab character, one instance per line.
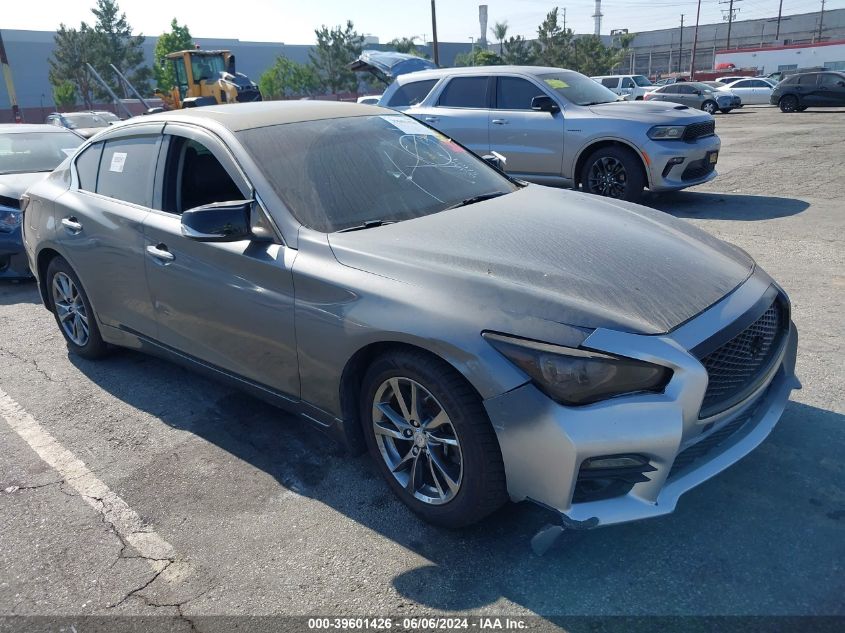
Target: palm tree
500	32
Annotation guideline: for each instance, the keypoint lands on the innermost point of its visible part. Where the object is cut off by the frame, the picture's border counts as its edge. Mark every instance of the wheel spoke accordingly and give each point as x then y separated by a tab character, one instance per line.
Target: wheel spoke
381	429
64	312
411	486
435	460
448	441
437	421
398	421
435	478
402	464
400	399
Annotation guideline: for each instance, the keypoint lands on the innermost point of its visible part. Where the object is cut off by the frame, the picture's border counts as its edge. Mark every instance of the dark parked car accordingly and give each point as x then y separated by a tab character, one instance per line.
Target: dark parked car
482	337
696	94
27	154
798	92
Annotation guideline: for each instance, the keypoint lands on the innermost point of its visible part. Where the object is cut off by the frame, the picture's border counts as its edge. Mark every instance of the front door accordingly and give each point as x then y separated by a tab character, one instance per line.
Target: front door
532	142
230	304
831	90
461	112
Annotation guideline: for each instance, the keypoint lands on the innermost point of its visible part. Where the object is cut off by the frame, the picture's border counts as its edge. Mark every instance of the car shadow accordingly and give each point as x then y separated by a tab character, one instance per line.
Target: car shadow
14	291
758	539
724	206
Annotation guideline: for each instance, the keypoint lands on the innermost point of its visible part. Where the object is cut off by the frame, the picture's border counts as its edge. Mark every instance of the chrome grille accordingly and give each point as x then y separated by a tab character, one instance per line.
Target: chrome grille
737	366
698	130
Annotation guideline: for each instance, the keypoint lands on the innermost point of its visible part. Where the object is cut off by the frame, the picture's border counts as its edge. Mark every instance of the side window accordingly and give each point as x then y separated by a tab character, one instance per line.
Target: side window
829	80
757	83
745	84
126	169
465	92
684	90
513	93
807	80
610	82
87	165
671	89
411	93
194	177
627	82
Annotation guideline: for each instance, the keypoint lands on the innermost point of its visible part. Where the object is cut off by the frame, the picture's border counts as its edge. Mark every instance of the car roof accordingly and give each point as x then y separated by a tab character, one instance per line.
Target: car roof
475	70
13	128
244	116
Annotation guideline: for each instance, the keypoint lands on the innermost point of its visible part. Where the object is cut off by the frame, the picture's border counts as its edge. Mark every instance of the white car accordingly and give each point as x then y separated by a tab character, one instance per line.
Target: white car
752	91
629	87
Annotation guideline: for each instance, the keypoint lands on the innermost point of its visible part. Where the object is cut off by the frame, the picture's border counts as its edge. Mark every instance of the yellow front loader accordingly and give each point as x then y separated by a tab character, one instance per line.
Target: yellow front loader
207	78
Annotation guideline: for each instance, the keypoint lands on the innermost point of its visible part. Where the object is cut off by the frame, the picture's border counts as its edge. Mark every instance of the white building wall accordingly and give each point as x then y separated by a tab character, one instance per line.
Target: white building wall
771	60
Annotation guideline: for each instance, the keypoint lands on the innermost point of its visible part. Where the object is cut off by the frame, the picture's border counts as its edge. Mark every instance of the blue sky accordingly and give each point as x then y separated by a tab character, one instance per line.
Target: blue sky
294	22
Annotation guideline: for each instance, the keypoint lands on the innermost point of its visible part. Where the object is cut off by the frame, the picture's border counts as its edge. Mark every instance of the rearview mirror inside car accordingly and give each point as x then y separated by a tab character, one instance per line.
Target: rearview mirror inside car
219	222
544	103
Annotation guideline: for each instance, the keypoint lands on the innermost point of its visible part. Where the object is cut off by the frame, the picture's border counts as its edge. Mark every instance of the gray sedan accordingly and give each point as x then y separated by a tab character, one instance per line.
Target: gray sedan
696	94
484	339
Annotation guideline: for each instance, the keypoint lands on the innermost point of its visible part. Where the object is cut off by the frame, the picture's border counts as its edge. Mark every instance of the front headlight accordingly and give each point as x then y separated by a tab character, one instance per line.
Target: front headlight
576	377
666	132
10	219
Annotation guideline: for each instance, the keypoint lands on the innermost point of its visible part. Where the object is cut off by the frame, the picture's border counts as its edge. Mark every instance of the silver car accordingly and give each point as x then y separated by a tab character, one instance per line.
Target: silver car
484	338
559	127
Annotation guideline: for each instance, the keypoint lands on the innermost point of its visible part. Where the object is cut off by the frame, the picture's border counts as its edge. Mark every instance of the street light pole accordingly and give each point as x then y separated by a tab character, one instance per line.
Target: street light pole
435	51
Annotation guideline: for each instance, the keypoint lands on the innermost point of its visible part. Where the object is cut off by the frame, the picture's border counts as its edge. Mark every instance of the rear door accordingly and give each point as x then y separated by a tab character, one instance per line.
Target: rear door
229	304
808	90
462	111
100	224
531	141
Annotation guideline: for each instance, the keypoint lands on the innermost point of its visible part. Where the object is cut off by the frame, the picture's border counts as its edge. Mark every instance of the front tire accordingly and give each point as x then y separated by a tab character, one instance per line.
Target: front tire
73	311
788	104
710	107
432	440
613	172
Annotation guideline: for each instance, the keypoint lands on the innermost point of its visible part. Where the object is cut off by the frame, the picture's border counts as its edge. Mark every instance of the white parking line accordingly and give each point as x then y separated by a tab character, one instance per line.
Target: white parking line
125	521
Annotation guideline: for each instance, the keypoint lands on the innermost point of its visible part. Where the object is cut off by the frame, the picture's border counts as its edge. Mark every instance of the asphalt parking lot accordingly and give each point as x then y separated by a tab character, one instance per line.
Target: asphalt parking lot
232	507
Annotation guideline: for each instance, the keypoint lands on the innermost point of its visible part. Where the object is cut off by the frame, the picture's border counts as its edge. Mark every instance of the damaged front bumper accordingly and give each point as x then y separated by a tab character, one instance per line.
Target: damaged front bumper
544	444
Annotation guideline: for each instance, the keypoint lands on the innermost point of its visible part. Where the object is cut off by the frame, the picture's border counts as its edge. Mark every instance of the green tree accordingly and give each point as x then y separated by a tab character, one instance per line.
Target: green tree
553	46
478	57
500	32
64	94
115	44
73	47
336	49
287	78
591	57
178	39
405	45
518	52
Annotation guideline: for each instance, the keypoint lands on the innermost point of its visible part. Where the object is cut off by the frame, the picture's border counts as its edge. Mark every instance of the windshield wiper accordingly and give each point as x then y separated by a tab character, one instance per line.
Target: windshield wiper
367	224
479	198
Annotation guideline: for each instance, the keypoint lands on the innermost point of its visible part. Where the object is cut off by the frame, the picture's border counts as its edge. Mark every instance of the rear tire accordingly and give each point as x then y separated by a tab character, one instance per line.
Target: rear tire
789	103
73	311
710	107
613	172
448	432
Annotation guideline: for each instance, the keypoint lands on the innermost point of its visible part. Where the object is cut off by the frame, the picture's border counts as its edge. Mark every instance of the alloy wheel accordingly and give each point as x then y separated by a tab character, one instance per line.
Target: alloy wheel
608	177
709	107
70	309
417	440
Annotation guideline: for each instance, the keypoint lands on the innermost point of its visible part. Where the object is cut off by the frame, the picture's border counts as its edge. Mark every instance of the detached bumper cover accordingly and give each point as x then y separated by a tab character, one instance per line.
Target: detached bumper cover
13	261
544	444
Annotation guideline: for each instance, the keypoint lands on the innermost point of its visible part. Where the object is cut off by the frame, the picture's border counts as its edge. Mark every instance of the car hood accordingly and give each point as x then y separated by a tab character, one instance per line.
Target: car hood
14	185
648	112
557	255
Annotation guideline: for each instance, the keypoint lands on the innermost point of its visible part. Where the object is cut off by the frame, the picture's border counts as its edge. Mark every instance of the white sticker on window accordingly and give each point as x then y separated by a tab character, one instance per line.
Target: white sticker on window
118	160
407	124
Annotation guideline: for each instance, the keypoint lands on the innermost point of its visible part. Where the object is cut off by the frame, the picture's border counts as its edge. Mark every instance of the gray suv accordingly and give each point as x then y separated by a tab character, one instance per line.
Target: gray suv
559	127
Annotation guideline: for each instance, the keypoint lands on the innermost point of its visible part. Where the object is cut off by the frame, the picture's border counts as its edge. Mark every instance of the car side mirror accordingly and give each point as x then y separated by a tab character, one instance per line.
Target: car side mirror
544	103
219	222
495	159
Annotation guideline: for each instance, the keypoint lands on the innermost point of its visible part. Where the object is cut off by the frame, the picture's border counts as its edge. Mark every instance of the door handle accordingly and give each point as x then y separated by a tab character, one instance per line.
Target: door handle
499	121
160	252
430	119
72	224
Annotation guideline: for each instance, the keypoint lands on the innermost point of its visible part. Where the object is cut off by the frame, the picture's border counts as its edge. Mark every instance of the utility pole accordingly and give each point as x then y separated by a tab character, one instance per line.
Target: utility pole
821	21
780	13
731	14
695	45
435	51
681	45
564	18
